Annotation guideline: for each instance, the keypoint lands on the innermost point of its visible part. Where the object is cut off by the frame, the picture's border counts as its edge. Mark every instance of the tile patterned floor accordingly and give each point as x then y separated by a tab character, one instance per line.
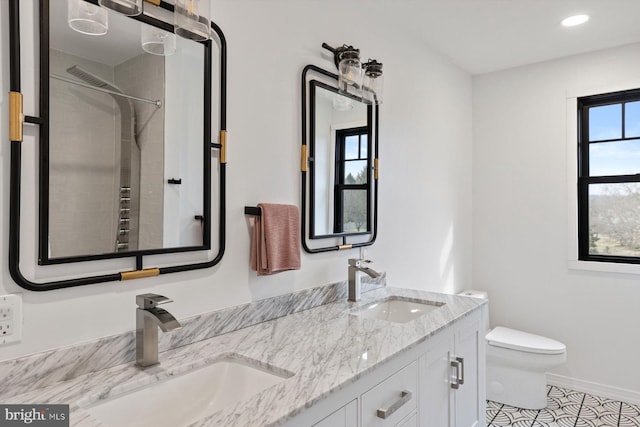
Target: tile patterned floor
566	408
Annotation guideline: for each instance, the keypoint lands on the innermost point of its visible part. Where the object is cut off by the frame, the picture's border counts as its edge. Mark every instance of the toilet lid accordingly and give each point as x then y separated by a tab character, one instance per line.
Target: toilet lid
523	341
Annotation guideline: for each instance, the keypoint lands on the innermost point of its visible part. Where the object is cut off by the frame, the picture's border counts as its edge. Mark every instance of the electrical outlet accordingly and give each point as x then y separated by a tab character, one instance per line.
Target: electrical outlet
6	328
10	318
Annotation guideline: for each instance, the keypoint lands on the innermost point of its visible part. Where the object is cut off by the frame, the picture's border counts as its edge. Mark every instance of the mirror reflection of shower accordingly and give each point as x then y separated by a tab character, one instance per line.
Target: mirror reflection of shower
129	119
128	206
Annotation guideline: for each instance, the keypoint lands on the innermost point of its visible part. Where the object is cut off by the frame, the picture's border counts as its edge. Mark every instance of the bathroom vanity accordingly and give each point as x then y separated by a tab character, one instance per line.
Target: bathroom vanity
324	364
438	383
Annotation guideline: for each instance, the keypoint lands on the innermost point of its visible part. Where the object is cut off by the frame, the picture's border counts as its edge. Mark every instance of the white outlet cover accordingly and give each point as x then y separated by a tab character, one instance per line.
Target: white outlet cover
12	304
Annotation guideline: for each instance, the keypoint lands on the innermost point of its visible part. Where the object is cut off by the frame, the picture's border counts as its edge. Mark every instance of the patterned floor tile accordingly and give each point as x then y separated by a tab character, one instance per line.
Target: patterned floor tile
566	408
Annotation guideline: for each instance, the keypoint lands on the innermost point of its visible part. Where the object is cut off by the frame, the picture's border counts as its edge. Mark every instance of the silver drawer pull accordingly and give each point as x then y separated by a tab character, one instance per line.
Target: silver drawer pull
460	370
455	380
385	413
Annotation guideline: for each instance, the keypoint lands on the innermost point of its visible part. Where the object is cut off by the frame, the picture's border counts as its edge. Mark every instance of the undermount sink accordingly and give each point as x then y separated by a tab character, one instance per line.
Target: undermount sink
186	397
397	309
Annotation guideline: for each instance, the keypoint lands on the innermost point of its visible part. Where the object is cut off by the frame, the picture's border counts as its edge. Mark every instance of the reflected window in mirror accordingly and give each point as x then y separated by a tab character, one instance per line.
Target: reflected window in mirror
351	205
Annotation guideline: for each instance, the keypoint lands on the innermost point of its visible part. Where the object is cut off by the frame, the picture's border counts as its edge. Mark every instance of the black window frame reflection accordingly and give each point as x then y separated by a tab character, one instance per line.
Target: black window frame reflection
341	187
585	178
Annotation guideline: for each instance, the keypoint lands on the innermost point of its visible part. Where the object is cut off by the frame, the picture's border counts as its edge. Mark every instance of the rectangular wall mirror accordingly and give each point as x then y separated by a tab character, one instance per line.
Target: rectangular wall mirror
132	143
125	165
339	165
341	143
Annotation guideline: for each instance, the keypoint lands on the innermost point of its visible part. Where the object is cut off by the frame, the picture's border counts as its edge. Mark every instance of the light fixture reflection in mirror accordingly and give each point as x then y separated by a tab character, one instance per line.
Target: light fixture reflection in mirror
157	41
191	19
125	7
87	18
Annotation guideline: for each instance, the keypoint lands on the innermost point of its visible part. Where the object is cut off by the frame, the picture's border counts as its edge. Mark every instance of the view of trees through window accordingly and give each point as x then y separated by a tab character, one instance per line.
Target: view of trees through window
355	203
609	180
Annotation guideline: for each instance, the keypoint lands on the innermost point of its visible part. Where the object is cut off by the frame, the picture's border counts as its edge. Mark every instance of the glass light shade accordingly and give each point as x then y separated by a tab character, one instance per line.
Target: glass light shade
191	19
373	82
157	41
350	74
125	7
87	18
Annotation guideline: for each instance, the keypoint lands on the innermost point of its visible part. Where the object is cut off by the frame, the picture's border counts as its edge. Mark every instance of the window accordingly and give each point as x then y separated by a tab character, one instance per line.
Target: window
351	195
609	177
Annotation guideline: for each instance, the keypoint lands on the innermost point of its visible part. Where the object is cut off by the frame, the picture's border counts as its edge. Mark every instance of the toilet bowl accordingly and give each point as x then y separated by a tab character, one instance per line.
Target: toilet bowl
517	362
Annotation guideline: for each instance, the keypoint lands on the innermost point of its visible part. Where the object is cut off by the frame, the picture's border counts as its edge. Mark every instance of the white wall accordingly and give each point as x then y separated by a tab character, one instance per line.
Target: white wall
520	218
425	180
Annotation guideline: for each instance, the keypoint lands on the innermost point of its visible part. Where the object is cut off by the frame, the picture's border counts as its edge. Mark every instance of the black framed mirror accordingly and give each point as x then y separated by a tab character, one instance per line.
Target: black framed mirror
125	145
339	165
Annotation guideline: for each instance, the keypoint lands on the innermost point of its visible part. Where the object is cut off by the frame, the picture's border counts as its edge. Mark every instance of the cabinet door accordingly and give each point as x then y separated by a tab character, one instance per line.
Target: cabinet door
468	341
436	395
347	416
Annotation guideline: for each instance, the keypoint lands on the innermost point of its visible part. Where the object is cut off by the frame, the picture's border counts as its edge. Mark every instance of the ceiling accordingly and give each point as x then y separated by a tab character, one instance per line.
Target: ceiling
489	35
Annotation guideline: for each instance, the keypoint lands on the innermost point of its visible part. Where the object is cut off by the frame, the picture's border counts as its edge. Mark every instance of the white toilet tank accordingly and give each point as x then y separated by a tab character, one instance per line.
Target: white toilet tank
472	293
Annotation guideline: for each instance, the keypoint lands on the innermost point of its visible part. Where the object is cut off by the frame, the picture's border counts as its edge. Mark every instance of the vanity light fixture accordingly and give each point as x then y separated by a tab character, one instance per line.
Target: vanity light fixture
87	18
574	20
125	7
373	82
191	19
349	69
362	80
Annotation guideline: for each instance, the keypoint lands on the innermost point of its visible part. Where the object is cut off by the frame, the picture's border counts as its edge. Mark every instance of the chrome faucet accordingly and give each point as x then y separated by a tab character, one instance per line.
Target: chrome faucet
355	267
148	319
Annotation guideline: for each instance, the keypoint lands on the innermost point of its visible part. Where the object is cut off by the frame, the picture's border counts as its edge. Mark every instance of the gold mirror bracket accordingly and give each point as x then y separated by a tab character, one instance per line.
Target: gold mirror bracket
139	274
223	146
376	168
342	247
16	118
303	158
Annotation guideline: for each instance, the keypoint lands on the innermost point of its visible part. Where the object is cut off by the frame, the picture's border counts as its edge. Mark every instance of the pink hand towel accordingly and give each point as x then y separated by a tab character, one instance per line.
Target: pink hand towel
275	244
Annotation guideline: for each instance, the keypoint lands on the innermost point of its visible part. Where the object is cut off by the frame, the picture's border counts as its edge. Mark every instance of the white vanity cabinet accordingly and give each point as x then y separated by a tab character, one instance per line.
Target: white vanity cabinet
452	377
438	383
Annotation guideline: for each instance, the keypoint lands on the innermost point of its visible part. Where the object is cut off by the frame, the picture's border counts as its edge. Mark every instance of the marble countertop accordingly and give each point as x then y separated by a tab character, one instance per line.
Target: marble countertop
321	346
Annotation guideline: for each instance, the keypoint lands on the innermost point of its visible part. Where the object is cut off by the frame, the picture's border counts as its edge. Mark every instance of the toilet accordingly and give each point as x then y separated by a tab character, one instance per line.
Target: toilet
517	362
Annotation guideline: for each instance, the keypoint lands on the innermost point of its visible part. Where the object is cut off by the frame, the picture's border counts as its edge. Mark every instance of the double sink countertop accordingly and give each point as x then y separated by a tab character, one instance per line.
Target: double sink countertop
319	350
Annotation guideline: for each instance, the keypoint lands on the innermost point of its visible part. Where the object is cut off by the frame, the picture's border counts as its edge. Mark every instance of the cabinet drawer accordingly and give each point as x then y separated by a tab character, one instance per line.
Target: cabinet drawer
347	416
397	395
412	421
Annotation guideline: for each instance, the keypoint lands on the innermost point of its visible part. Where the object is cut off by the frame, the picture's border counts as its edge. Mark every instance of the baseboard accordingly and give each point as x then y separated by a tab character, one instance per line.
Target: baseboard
601	390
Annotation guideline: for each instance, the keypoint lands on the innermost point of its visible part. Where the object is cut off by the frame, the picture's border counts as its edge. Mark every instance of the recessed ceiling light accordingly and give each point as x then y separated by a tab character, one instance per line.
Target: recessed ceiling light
574	20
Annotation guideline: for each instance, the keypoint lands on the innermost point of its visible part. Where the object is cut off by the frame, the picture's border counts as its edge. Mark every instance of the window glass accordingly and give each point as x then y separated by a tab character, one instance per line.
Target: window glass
614	219
363	146
614	158
352	147
354	212
605	122
355	172
632	119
